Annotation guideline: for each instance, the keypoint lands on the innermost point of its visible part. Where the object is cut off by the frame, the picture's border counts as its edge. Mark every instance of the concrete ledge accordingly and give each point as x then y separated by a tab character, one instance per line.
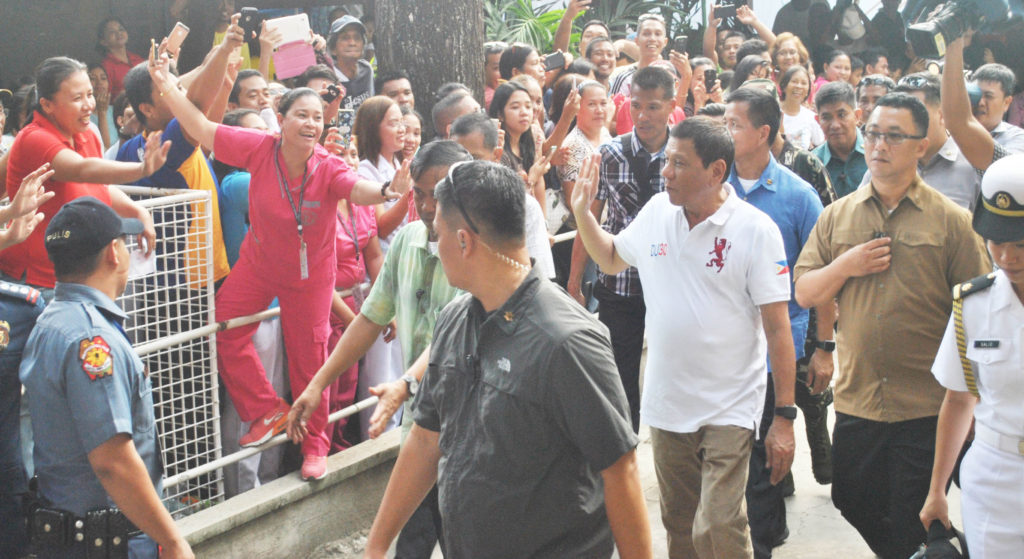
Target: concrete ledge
290	517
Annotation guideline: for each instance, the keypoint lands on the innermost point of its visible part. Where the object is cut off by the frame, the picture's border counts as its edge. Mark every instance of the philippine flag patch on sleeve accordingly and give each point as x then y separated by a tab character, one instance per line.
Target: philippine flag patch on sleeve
781	268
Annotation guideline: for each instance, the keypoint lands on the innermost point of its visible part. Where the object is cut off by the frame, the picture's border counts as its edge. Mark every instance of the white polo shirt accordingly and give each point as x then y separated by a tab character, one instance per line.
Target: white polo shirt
994	327
706	344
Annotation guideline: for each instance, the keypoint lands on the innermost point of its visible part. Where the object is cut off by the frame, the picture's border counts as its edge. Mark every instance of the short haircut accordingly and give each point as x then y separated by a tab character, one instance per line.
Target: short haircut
650	16
906	101
835	92
597	41
138	85
513	58
236	89
712	109
801	50
119	104
443	108
698	61
734	33
469	124
234	118
925	82
599	23
389	76
494	47
752	46
711	140
493	197
762	108
313	72
856	64
995	72
872	55
448	88
580	67
72	266
788	77
439	153
652	78
875	79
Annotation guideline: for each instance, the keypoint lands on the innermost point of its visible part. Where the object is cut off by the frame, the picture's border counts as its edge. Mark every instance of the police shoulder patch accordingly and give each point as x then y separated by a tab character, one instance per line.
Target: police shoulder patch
95	357
18	291
975	285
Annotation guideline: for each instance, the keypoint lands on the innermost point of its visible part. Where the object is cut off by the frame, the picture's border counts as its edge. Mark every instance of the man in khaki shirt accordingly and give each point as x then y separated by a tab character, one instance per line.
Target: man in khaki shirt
890	253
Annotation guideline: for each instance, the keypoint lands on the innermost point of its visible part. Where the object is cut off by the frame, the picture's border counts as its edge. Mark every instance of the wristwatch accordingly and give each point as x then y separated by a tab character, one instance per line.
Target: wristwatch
788	412
826	345
384	189
414	385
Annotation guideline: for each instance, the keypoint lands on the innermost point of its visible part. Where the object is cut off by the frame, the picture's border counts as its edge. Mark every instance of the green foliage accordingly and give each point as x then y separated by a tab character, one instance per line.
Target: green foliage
520	20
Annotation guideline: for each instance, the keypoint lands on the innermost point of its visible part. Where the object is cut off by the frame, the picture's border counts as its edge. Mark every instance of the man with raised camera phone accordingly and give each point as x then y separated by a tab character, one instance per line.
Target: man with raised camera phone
890	253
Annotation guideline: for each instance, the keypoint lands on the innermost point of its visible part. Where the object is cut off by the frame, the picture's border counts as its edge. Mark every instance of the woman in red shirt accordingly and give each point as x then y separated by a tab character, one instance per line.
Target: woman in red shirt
112	42
58	133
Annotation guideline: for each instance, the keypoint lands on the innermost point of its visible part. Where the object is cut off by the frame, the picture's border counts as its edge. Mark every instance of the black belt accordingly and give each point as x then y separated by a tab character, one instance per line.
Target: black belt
102	533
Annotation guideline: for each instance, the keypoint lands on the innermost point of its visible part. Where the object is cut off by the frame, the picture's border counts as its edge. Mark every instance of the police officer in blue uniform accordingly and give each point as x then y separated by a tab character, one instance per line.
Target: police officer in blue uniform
96	456
19	307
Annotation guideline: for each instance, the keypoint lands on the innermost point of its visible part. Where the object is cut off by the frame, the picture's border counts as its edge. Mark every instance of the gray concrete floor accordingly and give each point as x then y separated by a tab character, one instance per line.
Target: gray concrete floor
816	529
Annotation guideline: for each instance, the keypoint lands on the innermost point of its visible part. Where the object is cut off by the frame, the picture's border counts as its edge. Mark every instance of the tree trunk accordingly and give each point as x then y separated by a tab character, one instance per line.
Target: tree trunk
435	42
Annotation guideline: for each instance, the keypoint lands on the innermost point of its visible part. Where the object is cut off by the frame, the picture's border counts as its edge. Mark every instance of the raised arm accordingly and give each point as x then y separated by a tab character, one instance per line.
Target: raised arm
747	16
711	36
970	136
564	31
599	243
192	120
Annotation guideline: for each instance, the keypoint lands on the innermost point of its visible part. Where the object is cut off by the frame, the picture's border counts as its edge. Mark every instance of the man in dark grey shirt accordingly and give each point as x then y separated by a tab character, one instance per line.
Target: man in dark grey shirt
521	417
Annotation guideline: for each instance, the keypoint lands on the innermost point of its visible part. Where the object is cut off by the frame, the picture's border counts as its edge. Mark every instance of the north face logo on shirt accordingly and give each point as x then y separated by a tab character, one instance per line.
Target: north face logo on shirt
718	254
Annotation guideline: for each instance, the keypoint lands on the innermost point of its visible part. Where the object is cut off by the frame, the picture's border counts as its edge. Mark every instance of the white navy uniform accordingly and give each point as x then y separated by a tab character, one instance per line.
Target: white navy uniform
992	473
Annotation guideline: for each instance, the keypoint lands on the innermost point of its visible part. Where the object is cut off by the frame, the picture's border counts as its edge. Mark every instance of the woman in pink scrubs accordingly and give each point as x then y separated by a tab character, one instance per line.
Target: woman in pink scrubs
288	253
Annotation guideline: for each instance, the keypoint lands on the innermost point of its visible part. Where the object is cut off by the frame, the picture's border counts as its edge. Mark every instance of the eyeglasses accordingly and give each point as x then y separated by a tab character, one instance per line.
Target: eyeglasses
915	82
891	138
455	196
877	80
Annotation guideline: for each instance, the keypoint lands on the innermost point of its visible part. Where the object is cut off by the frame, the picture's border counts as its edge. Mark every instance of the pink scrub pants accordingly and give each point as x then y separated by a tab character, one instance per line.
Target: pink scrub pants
343	391
305	312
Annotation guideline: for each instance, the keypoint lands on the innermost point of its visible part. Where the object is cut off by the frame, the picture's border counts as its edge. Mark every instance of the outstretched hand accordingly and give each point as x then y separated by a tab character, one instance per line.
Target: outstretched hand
585	190
402	181
299	415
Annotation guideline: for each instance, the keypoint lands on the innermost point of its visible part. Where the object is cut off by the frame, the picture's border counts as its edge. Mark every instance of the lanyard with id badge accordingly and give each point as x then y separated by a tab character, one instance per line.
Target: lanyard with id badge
296	210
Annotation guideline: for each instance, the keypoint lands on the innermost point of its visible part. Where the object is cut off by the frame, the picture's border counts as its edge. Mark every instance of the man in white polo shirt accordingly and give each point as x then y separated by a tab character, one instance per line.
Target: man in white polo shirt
716	286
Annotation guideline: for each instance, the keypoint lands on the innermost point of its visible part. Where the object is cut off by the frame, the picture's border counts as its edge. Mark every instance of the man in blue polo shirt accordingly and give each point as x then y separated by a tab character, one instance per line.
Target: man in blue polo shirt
752	117
843	150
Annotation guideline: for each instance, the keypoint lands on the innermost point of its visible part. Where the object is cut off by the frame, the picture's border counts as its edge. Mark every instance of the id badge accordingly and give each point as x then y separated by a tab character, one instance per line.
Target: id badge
303	262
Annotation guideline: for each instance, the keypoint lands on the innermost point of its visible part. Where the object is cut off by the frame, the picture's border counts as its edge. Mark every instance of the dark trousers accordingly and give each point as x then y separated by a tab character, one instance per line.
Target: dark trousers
766	510
422	531
881	473
13	535
624	317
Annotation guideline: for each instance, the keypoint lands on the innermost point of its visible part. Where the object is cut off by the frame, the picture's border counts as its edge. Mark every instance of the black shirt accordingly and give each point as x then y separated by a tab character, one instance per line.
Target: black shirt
530	410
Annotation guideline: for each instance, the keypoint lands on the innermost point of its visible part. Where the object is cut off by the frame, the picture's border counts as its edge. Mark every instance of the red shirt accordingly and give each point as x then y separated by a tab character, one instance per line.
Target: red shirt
38	143
351	263
273	239
116	70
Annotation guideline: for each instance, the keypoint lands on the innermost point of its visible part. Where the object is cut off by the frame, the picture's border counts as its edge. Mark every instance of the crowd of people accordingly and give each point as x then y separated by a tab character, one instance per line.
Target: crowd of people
773	211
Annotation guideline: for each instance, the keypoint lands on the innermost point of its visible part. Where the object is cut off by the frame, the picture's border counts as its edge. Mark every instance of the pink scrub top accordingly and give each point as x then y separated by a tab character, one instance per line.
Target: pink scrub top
273	239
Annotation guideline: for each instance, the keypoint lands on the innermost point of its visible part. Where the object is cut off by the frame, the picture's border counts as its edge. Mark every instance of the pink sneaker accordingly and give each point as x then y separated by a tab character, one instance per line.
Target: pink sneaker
314	467
264	428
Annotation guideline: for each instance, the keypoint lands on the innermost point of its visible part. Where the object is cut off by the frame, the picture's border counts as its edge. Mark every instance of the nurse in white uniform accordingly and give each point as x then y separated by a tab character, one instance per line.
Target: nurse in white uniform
988	382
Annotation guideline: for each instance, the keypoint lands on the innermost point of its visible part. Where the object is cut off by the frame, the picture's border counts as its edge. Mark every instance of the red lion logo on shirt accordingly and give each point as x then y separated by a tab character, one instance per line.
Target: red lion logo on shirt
718	254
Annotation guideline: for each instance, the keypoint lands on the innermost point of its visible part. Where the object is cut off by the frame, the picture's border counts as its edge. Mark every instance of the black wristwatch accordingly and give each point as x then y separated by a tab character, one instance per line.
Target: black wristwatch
384	189
827	345
414	385
787	412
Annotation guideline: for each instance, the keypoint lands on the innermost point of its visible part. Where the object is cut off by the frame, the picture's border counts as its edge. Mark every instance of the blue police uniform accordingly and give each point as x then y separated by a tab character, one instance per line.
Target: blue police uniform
85	385
19	307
